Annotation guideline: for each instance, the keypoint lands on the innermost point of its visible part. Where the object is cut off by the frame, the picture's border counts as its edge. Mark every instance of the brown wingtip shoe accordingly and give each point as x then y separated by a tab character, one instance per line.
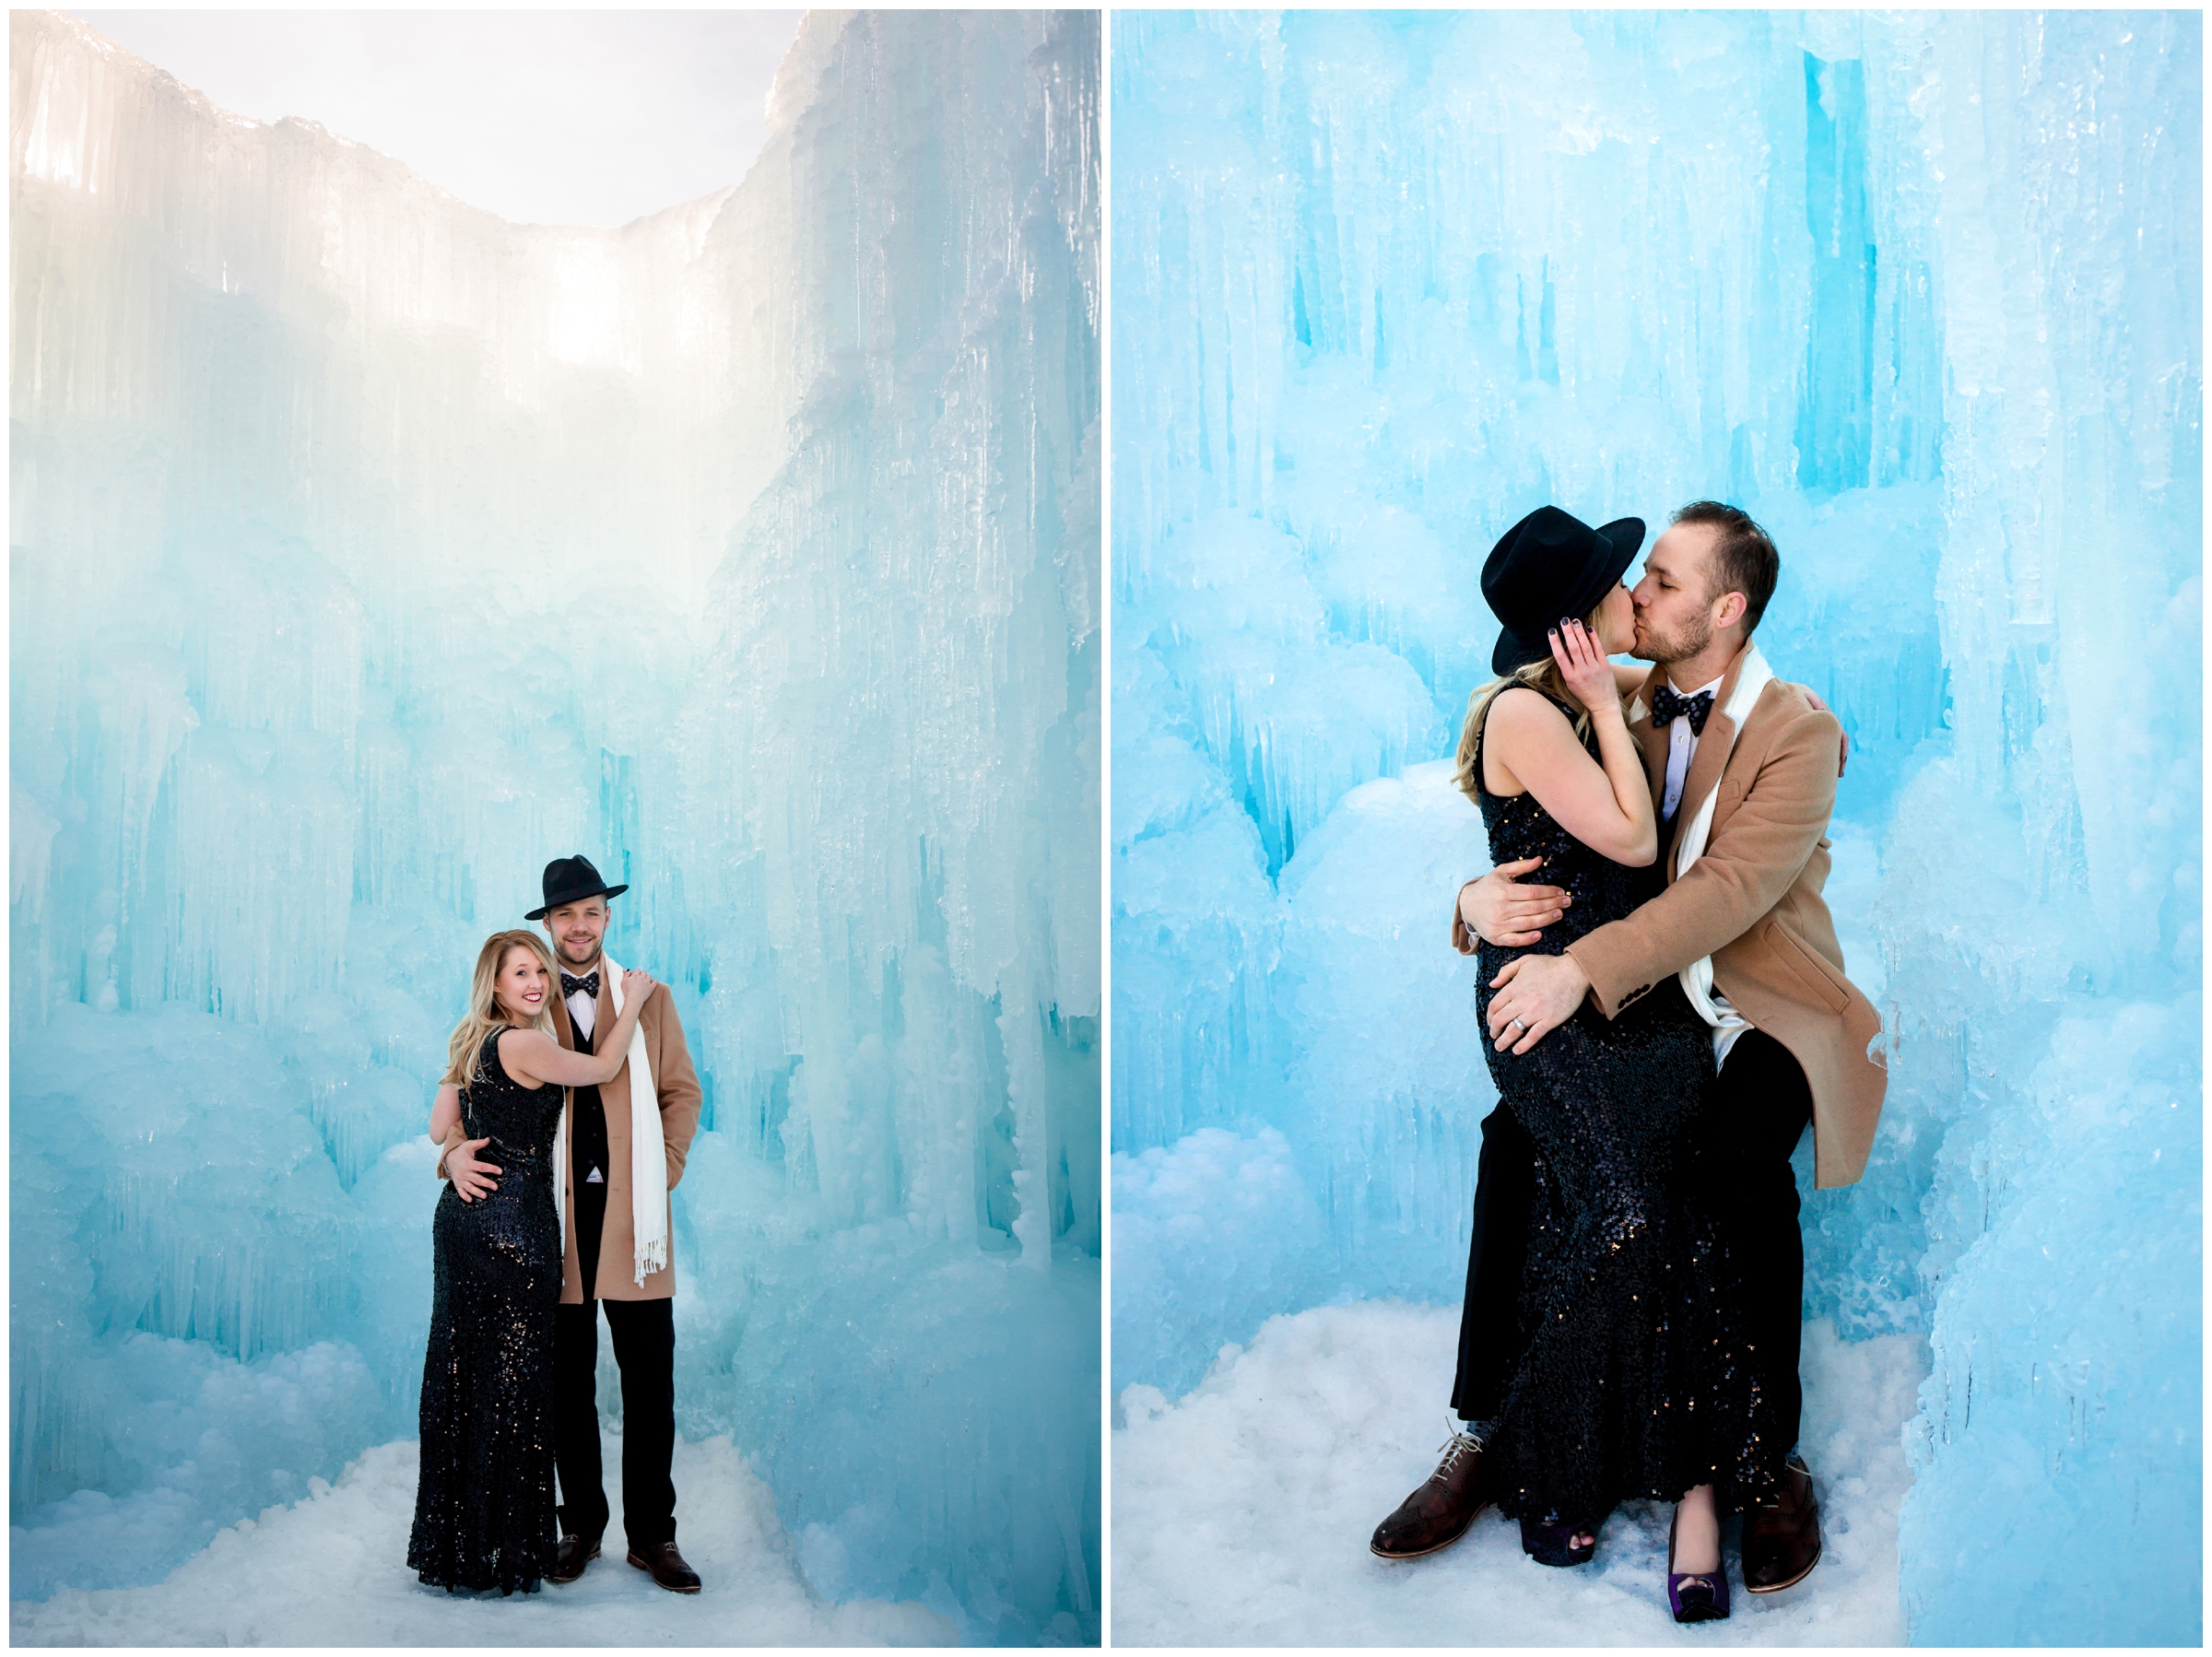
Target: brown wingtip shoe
667	1567
1782	1535
570	1557
1438	1514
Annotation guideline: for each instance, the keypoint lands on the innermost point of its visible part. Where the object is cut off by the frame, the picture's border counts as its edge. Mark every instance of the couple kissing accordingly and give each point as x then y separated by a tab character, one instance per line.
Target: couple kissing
1664	1018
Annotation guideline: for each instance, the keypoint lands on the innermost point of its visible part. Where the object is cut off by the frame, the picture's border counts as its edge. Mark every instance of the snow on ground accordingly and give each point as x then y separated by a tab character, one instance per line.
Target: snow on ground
1241	1514
330	1570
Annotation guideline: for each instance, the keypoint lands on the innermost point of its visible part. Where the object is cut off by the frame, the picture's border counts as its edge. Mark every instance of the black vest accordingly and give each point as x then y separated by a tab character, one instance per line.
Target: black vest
587	1130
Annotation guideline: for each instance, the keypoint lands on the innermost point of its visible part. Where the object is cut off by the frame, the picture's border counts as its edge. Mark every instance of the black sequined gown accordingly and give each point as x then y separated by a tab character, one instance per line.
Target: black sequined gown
1633	1382
484	1496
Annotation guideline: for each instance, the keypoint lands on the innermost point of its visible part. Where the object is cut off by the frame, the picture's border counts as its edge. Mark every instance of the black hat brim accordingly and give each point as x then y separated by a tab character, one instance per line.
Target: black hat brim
1622	537
597	891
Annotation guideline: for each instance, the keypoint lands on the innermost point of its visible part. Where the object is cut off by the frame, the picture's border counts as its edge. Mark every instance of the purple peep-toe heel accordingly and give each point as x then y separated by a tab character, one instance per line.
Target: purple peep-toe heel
1695	1597
1550	1543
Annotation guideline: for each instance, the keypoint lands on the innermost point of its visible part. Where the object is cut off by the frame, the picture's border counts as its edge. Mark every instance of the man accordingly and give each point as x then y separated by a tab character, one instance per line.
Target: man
1743	770
617	1240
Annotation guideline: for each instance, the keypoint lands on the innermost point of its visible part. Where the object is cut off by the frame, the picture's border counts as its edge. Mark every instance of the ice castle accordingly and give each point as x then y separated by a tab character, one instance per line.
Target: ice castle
366	552
1924	292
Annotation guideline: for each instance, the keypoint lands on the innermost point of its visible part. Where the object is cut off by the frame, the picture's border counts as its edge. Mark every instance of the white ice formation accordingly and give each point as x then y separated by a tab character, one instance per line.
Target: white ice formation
366	552
1923	291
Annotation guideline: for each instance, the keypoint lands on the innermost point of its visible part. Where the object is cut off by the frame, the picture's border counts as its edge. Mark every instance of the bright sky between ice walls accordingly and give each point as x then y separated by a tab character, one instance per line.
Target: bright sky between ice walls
542	117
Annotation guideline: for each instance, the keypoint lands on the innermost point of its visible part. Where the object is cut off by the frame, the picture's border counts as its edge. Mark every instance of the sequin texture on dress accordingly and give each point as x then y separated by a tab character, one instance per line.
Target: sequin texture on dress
484	1512
1634	1380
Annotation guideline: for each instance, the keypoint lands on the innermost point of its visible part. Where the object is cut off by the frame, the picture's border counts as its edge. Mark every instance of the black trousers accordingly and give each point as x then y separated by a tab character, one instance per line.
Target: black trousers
645	1337
1761	1106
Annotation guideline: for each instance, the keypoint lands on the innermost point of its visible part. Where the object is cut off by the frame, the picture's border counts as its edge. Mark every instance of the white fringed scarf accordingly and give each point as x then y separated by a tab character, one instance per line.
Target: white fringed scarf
1697	978
647	1158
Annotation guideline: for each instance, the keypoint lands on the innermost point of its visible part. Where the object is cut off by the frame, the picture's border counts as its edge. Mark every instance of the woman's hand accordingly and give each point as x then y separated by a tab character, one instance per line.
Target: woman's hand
637	984
1584	665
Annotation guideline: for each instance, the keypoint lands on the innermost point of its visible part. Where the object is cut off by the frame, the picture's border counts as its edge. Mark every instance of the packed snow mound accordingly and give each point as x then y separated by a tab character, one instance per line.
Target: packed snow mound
1241	1514
330	1569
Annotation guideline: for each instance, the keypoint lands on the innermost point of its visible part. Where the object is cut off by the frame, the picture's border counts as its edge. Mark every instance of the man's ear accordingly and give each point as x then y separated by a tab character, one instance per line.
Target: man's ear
1729	611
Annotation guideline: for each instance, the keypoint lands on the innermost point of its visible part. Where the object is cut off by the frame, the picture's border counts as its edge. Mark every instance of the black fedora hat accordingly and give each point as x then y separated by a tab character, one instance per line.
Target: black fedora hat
1548	565
572	880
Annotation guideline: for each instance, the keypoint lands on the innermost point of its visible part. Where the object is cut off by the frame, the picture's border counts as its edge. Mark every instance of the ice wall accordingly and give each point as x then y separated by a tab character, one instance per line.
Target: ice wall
368	551
1921	291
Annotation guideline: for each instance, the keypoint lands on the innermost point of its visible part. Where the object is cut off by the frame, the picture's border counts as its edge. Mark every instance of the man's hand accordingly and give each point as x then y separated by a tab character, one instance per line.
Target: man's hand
1842	758
468	1173
1536	996
1498	909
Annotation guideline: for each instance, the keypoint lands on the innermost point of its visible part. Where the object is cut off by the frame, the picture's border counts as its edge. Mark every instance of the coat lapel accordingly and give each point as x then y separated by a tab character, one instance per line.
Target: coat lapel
1649	737
602	1020
1711	756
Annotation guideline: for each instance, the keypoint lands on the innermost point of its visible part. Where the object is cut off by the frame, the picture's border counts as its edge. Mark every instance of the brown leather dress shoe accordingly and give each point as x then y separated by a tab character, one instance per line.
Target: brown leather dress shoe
1782	1535
1438	1514
667	1567
570	1557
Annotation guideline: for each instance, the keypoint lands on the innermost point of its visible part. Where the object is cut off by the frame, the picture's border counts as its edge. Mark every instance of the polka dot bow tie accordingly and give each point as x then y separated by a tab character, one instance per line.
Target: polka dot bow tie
588	983
1665	704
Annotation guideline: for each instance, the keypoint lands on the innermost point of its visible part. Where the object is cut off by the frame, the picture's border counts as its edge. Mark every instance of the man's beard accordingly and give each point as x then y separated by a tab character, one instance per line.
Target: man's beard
584	964
1661	650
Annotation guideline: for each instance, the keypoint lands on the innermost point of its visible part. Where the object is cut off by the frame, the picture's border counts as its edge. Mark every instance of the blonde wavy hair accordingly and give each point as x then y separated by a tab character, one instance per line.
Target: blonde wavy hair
1542	675
484	1014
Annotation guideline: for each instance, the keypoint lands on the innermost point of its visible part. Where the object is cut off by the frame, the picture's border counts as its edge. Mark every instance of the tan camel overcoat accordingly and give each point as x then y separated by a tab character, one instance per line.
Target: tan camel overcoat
677	1085
1752	902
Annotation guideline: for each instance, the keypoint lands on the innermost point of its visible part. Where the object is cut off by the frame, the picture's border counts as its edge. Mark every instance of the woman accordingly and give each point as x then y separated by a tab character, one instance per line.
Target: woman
484	1494
1631	1385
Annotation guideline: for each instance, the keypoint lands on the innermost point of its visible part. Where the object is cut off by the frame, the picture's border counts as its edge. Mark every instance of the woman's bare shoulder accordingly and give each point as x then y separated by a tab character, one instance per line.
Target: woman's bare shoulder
1521	708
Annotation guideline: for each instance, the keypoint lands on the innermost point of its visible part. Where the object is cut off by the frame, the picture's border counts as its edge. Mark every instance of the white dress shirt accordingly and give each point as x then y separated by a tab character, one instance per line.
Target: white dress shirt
1681	744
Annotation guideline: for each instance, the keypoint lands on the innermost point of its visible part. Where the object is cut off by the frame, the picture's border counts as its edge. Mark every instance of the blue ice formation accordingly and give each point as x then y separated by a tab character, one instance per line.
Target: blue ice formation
1923	291
368	552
